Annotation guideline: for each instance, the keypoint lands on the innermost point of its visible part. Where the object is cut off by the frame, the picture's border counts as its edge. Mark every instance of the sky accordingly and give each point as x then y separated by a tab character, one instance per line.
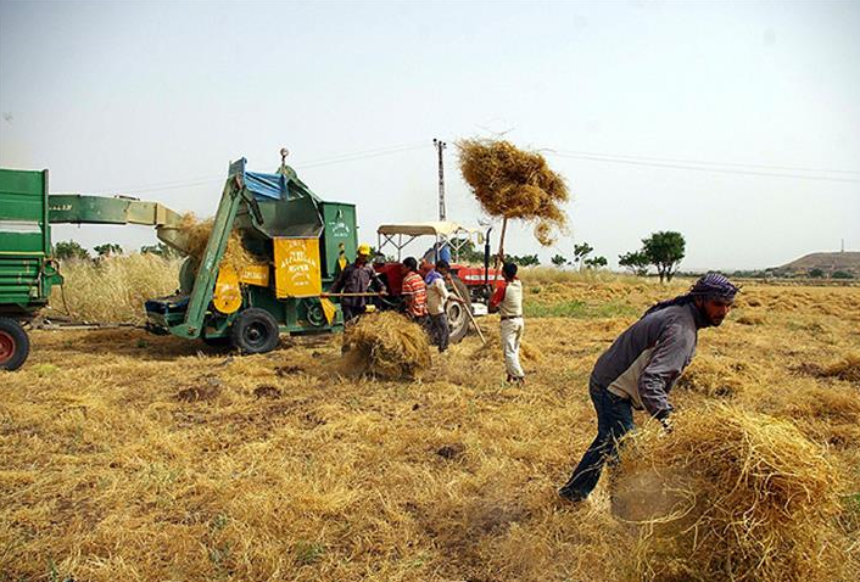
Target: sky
734	123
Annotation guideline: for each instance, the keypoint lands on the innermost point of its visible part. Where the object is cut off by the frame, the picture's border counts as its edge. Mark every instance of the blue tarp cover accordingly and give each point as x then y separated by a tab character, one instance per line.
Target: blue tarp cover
272	186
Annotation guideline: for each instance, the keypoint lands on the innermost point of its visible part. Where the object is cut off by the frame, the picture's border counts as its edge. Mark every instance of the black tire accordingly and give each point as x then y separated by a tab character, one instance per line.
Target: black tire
14	344
255	331
458	319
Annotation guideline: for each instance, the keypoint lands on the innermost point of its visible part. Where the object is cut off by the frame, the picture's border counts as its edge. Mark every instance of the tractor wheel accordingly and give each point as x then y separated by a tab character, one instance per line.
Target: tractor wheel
14	344
458	319
255	331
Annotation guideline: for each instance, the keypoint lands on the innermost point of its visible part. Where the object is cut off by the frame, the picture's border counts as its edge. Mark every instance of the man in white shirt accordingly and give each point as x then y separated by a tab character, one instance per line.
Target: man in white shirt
507	300
437	299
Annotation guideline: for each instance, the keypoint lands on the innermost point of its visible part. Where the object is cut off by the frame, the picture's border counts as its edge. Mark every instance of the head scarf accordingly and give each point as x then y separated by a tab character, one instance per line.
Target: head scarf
710	286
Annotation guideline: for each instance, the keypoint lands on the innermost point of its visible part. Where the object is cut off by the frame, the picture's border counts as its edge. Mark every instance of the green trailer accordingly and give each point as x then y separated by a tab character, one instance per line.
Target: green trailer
27	269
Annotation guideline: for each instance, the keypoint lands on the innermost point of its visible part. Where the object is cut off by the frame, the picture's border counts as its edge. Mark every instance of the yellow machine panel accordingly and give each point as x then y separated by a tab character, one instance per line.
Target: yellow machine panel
228	294
255	274
297	267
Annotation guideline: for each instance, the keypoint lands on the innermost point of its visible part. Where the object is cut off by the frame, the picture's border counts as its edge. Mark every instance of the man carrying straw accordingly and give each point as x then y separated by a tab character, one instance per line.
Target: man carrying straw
507	300
640	368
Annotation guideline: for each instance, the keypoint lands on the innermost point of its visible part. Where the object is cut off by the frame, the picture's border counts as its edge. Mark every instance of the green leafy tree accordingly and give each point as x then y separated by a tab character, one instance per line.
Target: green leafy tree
523	261
665	250
580	252
595	262
559	261
842	275
816	273
108	249
637	262
70	249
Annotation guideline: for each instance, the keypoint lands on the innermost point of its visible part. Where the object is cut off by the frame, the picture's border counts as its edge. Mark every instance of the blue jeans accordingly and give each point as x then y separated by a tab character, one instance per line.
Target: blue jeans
614	420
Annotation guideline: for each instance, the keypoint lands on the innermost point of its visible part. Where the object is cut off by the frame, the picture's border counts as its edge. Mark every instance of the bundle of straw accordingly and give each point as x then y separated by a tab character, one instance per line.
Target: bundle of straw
387	345
512	183
196	235
753	500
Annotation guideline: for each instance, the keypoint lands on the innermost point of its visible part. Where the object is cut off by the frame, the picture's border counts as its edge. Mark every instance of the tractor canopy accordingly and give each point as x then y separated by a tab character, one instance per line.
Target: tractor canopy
450	234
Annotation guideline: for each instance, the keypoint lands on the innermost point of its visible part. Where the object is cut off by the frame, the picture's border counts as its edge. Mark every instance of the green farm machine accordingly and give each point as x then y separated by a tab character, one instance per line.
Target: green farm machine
27	271
297	241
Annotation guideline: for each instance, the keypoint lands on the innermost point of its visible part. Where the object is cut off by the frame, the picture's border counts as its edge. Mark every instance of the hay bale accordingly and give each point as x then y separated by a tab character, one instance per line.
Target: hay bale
387	345
752	499
196	235
512	183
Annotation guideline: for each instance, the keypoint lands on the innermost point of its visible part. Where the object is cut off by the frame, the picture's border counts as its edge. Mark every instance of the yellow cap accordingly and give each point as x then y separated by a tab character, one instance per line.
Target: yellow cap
364	249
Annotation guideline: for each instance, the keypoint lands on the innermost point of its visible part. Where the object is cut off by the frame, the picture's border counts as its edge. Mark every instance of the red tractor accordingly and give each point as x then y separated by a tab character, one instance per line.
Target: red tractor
474	284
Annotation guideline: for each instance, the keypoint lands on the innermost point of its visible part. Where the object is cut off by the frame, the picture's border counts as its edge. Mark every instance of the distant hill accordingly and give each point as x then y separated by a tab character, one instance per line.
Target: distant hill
829	263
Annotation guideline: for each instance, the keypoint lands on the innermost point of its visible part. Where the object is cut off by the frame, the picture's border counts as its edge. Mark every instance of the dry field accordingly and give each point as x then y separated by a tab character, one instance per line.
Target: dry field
130	457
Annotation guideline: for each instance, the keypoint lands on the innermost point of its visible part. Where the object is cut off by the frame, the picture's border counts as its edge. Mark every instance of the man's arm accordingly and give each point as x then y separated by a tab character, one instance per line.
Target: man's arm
376	281
498	297
339	282
671	354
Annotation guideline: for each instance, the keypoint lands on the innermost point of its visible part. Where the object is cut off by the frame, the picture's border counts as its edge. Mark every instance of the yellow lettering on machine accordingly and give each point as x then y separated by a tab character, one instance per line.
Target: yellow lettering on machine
297	267
255	274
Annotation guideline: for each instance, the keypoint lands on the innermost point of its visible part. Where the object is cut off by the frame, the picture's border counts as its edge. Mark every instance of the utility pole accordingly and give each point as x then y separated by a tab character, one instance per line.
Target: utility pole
440	146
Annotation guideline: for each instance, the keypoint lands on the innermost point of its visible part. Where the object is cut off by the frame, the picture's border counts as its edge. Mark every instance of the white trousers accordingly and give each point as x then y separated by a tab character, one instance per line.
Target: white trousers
512	334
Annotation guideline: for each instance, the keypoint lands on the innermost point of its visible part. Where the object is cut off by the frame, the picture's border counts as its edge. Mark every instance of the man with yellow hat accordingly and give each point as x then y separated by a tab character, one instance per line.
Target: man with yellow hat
354	282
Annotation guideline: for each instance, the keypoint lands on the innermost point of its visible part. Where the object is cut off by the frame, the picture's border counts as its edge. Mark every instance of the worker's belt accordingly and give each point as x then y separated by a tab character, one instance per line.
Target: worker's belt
507	317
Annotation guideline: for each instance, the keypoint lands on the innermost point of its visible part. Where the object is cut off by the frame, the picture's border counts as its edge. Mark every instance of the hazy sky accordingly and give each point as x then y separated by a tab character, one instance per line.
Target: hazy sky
703	117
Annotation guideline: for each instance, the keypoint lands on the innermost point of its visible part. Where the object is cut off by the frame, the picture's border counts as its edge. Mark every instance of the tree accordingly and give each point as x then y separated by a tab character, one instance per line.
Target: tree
559	261
596	262
665	250
580	252
108	249
523	261
816	273
70	249
841	275
160	249
636	262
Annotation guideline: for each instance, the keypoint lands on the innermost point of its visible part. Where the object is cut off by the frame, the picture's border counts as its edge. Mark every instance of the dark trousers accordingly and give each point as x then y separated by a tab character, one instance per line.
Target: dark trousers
614	420
351	312
440	331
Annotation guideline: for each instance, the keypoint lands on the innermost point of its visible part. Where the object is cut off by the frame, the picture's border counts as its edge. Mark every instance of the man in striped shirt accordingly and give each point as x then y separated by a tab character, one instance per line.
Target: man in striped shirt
414	291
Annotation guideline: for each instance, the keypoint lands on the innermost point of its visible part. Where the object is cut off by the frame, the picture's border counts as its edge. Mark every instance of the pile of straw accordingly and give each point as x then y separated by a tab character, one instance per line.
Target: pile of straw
718	377
387	345
512	183
751	499
196	236
847	368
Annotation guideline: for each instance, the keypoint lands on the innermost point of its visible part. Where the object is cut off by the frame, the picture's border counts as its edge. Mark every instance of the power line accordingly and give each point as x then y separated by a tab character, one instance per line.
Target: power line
617	160
337	159
708	163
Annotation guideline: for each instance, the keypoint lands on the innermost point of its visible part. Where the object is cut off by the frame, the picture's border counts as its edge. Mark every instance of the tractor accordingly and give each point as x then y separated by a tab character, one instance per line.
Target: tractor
472	284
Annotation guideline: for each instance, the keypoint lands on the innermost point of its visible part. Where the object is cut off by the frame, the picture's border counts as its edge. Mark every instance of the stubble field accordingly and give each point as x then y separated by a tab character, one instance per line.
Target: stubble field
132	457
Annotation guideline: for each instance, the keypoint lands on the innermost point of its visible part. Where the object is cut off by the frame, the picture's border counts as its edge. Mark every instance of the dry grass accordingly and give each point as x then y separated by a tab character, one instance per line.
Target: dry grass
388	345
133	457
114	289
512	183
196	235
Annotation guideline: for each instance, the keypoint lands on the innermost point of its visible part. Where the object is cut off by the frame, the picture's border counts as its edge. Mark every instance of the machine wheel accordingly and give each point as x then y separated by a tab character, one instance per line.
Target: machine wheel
255	331
458	319
14	344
